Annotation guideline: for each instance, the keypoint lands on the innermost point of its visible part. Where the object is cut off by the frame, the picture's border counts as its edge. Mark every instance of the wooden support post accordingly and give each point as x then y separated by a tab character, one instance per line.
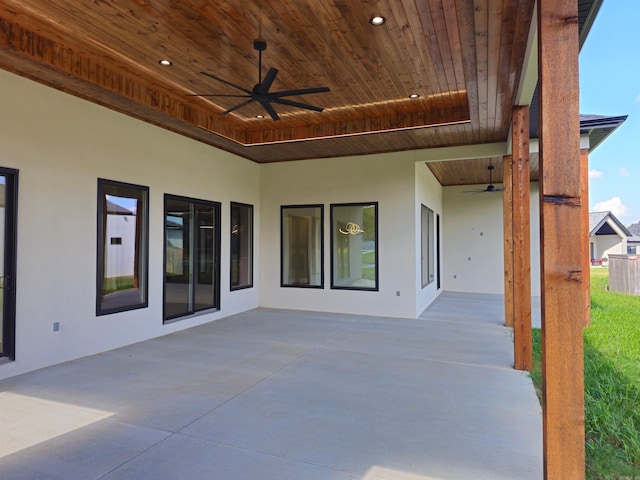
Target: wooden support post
560	225
507	220
586	253
521	240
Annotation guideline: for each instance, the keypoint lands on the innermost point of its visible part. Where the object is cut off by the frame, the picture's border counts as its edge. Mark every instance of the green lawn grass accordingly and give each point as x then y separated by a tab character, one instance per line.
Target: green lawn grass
115	284
369	257
369	260
612	382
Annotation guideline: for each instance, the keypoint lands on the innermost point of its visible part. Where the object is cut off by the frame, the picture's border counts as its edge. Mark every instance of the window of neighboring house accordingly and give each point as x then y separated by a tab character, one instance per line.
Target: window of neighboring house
354	246
123	243
427	244
302	256
191	256
241	246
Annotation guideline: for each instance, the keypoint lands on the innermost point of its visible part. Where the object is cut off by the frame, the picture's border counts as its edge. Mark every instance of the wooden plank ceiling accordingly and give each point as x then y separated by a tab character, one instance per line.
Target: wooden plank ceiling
476	170
463	57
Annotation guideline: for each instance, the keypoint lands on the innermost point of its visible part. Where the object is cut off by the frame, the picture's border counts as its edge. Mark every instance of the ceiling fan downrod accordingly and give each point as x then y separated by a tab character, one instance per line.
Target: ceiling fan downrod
260	46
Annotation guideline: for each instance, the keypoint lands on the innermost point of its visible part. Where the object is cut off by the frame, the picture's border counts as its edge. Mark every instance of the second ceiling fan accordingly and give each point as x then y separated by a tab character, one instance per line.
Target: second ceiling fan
260	92
489	188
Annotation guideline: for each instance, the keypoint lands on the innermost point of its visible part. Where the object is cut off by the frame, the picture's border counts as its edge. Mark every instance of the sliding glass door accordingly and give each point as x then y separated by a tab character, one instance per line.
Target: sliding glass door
192	252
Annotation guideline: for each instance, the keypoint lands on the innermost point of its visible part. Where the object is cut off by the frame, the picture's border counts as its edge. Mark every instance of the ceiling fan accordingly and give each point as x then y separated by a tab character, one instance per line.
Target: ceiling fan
260	91
489	188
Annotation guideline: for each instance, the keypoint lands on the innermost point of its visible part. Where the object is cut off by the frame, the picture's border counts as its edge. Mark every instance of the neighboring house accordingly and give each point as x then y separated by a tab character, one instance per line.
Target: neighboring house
607	236
633	242
119	242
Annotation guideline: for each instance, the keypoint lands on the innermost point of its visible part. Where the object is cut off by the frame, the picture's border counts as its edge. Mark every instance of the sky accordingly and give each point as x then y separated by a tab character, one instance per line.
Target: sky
610	85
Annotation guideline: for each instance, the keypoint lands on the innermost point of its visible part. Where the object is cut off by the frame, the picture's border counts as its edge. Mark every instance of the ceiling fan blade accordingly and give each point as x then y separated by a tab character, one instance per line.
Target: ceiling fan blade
215	95
301	91
268	81
283	101
236	107
270	110
226	82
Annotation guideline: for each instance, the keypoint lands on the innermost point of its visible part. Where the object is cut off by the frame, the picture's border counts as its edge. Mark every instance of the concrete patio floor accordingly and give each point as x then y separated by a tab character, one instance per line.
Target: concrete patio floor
278	394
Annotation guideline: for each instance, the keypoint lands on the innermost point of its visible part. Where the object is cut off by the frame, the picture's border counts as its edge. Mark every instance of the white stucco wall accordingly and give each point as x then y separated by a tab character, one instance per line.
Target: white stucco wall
61	145
473	253
387	179
535	241
429	193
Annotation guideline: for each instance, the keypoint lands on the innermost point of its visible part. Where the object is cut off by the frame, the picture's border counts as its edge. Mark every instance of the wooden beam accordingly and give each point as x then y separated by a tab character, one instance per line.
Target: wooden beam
507	220
560	224
521	240
586	252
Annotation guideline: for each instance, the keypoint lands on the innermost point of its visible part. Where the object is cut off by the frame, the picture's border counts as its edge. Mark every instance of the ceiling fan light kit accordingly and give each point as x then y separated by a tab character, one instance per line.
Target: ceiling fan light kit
260	92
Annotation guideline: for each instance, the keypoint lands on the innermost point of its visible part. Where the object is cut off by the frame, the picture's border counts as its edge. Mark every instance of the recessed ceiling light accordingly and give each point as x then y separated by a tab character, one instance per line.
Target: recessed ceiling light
166	63
377	20
414	95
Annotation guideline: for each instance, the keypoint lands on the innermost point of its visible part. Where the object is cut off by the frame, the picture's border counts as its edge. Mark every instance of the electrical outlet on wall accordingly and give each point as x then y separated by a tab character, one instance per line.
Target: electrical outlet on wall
56	326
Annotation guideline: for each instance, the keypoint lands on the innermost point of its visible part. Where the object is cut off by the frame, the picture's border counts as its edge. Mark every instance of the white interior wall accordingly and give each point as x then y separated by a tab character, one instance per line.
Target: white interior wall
429	193
473	256
387	179
61	145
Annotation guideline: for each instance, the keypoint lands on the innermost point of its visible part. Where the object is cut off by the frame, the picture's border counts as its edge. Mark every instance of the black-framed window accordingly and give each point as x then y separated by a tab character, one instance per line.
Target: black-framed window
122	265
427	250
191	256
8	260
241	246
354	246
302	253
438	269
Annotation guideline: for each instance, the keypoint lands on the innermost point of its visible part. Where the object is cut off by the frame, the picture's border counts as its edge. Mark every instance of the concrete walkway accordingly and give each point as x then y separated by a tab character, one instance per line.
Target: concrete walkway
277	394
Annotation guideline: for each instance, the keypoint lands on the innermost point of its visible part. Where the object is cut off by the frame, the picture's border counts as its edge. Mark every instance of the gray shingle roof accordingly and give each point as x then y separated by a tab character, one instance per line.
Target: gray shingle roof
117	209
598	219
634	229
